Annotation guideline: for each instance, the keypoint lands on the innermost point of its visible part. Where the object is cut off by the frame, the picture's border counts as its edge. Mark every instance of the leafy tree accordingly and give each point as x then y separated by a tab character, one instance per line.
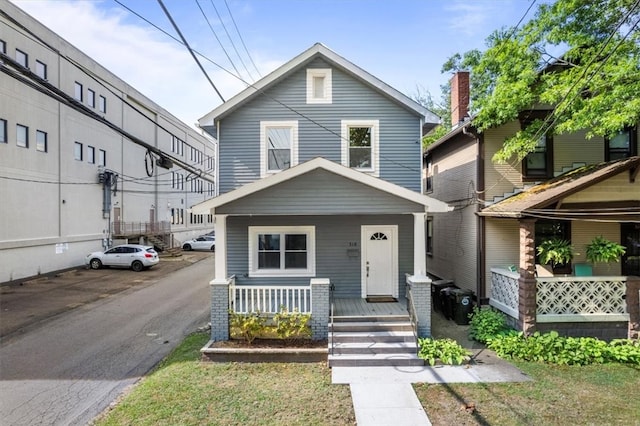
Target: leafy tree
593	85
442	109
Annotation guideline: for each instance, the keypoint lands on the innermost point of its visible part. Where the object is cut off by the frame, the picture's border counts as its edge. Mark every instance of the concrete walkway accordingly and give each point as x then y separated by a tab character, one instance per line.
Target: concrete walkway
384	395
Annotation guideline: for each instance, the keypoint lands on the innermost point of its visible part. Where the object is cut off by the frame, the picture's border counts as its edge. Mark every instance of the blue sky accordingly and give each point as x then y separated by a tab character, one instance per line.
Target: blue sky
402	42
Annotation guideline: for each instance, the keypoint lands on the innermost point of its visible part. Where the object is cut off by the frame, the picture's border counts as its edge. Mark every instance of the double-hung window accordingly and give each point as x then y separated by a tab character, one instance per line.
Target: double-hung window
622	145
282	251
360	145
538	164
279	146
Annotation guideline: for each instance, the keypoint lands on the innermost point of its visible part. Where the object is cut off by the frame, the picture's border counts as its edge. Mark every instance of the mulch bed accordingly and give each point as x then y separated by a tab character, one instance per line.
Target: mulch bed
270	343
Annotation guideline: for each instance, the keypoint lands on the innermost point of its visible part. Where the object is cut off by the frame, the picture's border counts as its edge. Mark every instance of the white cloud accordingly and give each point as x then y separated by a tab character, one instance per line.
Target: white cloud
473	18
143	57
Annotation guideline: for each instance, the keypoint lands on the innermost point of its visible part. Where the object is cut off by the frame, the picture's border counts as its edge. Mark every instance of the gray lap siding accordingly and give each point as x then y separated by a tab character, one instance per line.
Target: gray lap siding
319	129
335	257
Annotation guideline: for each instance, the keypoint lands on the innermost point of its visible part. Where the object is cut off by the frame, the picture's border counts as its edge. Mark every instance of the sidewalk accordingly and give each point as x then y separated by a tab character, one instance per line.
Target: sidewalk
384	395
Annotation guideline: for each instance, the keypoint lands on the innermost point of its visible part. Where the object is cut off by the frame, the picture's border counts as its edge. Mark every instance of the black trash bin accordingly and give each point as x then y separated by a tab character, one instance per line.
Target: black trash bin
447	302
462	302
436	287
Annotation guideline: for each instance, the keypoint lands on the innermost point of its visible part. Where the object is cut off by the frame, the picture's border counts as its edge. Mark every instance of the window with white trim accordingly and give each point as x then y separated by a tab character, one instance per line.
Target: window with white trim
278	146
360	145
319	86
282	251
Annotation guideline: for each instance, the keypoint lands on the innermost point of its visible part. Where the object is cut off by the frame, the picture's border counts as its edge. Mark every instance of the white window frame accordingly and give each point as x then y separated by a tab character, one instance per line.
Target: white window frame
325	73
264	148
309	231
375	143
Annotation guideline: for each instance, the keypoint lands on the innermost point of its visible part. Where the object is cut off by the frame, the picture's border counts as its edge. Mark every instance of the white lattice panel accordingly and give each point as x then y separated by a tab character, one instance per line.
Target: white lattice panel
573	296
504	289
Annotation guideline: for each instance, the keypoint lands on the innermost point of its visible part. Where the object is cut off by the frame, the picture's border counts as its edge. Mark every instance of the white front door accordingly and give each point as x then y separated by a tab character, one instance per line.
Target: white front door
379	260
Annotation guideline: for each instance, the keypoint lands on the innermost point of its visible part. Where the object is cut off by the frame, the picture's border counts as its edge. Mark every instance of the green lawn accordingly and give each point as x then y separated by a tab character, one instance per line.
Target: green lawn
185	391
559	395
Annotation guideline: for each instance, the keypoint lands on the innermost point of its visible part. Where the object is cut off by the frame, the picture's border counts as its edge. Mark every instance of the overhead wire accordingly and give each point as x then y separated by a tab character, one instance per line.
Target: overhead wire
231	40
240	36
28	33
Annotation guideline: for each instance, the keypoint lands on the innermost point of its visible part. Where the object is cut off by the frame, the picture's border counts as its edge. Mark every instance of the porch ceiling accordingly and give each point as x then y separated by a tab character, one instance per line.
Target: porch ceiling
550	194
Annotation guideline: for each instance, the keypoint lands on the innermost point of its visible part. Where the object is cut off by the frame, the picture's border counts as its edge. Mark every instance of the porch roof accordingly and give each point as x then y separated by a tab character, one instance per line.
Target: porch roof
319	163
548	193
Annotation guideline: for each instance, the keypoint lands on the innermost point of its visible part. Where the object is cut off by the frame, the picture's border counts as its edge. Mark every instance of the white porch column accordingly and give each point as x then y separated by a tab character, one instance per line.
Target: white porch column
221	249
419	245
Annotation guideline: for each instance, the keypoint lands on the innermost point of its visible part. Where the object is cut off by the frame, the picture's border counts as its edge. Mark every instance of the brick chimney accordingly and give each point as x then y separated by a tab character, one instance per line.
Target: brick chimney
459	97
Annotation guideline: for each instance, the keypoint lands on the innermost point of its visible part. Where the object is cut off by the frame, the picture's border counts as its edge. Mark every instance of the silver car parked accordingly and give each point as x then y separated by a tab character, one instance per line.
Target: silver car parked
134	256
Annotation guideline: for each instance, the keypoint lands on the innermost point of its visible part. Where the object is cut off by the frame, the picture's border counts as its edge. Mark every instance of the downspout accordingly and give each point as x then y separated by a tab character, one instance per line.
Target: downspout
480	234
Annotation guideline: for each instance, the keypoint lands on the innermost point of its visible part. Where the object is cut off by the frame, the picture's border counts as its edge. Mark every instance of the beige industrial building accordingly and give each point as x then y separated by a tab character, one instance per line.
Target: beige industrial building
86	161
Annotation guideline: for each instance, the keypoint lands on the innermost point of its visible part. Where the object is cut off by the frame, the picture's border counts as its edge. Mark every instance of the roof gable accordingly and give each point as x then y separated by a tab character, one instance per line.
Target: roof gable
317	50
430	204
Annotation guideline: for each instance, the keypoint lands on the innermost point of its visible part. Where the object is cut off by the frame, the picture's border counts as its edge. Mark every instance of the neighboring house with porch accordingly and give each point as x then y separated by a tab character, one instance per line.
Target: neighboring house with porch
571	187
320	192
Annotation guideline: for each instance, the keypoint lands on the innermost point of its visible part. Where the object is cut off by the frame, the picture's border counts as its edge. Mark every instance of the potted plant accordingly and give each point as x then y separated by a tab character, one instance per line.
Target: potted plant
555	251
602	250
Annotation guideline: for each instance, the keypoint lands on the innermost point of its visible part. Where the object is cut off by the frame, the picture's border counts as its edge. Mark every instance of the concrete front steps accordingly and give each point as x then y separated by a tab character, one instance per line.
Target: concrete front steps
372	341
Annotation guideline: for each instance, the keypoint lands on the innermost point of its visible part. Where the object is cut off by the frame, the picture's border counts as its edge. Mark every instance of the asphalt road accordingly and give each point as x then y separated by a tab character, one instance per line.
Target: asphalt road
68	368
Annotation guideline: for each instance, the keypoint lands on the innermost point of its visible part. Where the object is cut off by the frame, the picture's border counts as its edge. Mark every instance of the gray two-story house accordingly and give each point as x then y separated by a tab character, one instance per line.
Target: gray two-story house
320	183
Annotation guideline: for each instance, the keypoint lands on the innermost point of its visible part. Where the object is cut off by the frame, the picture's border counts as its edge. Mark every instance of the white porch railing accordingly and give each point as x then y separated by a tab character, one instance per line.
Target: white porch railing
581	299
504	291
563	299
269	299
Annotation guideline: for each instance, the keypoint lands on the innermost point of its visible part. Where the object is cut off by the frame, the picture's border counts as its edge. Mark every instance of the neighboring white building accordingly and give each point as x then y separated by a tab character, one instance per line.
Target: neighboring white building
78	164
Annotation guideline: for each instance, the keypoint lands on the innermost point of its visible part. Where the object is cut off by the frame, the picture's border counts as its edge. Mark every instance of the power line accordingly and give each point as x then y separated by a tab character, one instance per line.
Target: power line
193	55
217	38
71	102
241	39
232	43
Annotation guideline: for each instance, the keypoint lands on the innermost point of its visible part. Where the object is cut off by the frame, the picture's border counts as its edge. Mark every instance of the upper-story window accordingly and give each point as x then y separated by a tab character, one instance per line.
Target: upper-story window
319	86
279	145
91	154
428	178
3	47
102	104
91	98
3	131
360	145
539	163
22	136
622	145
78	91
41	69
22	58
77	151
41	141
102	157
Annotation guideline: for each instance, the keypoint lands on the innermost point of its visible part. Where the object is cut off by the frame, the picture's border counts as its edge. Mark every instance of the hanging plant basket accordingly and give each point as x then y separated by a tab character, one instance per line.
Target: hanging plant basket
602	250
555	251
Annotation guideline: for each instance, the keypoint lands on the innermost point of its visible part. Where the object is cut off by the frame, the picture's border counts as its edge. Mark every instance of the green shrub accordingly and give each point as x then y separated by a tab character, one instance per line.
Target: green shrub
248	326
448	351
292	325
486	323
552	348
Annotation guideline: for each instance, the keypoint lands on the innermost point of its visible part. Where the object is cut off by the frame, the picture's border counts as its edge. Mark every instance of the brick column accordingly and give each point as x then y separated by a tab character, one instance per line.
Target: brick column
420	287
219	310
527	290
633	306
320	308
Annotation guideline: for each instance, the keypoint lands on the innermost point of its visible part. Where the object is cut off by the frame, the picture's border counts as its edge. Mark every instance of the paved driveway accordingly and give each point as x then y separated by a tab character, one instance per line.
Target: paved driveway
64	366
